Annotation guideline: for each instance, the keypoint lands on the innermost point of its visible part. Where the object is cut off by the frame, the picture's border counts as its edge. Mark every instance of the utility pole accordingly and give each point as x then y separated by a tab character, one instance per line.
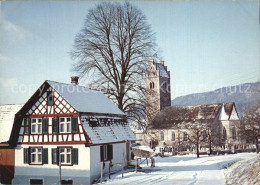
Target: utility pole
59	165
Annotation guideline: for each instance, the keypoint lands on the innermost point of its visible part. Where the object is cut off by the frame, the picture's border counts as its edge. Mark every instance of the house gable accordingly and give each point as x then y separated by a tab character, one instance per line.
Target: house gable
223	114
234	114
50	114
50	102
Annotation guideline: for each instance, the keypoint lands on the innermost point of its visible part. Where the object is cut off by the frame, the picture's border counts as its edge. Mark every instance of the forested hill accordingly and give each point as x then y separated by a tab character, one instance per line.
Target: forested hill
244	96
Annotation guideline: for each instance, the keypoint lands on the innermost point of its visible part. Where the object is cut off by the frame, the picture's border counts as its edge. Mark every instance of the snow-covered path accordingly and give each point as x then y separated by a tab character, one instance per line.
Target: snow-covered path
181	170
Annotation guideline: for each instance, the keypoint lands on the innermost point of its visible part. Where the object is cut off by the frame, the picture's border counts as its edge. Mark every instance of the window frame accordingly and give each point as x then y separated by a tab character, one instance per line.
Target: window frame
106	152
224	136
65	123
65	156
36	124
162	135
185	136
173	134
30	156
50	94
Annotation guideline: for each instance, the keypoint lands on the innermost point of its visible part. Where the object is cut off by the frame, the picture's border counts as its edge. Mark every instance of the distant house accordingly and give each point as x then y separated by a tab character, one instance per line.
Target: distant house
70	125
7	115
171	125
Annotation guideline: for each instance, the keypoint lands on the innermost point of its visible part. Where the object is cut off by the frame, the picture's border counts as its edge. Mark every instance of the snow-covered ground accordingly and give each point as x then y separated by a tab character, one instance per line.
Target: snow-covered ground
245	172
187	170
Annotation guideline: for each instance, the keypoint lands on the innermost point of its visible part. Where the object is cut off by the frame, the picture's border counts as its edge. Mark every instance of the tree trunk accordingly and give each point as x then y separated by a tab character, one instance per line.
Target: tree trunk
198	152
210	148
256	144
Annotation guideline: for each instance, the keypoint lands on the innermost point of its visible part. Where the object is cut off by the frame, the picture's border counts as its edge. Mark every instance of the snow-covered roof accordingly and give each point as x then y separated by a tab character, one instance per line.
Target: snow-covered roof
171	116
7	114
85	100
162	70
107	134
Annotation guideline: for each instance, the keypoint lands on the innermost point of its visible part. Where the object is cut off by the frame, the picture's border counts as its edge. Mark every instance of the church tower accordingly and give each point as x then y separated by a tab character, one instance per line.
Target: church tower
158	89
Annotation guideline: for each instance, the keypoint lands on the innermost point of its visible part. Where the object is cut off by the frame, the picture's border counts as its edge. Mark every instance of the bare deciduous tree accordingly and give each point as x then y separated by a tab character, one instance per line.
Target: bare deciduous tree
113	50
198	135
251	120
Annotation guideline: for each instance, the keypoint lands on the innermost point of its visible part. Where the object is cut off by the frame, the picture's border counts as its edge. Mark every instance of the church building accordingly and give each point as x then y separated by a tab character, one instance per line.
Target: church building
170	125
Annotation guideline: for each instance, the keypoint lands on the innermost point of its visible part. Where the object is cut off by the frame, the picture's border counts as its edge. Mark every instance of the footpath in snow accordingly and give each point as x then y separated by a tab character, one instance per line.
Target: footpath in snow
179	170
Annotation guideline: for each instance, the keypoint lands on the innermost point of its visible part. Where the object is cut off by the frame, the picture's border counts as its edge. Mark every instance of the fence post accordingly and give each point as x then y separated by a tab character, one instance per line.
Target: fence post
101	178
122	171
109	170
136	161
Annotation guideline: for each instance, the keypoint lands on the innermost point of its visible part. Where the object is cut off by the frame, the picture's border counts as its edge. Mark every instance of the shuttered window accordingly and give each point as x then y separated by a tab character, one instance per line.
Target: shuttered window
35	155
106	152
67	156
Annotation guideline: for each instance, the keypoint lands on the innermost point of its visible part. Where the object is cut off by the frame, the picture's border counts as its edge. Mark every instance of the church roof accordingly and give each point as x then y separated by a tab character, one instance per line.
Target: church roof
174	115
85	100
162	70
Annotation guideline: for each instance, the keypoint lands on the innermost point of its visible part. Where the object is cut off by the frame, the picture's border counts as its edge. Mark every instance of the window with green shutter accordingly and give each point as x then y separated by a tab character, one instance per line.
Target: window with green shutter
54	155
26	155
45	125
55	125
45	156
74	124
75	156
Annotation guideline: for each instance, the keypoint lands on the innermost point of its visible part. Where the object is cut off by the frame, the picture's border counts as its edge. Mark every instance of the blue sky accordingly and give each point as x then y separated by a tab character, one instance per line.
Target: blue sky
205	44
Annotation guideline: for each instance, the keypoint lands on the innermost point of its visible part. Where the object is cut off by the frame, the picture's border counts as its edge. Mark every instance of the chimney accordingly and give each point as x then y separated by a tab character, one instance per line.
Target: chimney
162	62
74	80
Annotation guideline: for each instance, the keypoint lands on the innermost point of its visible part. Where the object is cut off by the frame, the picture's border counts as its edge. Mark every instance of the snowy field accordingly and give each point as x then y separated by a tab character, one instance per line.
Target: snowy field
187	170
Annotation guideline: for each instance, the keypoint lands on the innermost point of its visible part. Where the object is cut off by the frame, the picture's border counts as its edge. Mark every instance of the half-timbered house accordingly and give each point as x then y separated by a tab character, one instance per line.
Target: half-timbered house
67	132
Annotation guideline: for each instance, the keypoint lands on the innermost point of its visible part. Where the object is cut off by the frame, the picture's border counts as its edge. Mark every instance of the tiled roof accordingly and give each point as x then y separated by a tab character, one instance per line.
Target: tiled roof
171	116
107	134
7	114
86	100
